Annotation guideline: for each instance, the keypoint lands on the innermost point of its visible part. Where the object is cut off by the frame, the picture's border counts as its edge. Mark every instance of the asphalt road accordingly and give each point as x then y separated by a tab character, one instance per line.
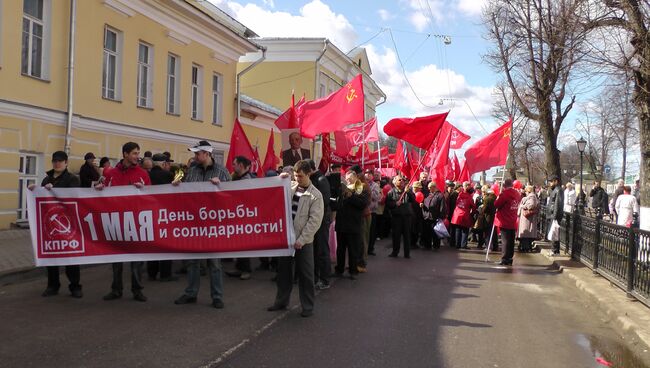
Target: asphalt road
438	309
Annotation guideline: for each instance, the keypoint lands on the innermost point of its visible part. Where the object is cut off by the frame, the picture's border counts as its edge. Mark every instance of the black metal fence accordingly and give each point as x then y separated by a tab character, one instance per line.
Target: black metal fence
618	253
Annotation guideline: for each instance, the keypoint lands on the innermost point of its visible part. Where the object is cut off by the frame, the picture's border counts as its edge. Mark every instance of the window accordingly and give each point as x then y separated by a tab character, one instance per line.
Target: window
111	70
32	42
27	175
145	82
197	95
218	157
173	67
216	98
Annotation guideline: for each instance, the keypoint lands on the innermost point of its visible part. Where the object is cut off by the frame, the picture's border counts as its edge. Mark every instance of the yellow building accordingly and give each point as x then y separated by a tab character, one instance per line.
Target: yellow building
313	67
161	73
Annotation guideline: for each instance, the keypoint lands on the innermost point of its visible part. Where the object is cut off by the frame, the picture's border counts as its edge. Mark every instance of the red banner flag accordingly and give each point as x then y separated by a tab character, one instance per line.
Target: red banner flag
343	145
289	118
490	151
457	138
456	167
464	175
271	161
332	113
256	164
324	164
239	146
247	218
400	160
420	131
364	133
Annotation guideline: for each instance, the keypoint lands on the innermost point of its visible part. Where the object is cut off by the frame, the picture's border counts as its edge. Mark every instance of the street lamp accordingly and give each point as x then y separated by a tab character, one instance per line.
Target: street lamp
582	144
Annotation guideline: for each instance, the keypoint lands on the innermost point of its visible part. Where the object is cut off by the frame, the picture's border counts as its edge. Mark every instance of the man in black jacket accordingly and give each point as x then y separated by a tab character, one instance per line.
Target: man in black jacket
555	207
599	198
160	175
322	262
242	168
60	177
89	172
399	202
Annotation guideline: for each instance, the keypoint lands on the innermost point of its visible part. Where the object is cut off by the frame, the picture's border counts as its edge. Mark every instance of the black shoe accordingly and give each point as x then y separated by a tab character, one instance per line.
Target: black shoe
49	292
306	313
76	293
138	296
393	255
217	303
276	307
504	263
185	299
372	253
113	295
168	279
407	257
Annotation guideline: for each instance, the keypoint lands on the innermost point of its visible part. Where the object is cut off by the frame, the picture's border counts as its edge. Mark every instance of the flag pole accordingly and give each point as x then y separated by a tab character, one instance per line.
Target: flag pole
363	141
379	151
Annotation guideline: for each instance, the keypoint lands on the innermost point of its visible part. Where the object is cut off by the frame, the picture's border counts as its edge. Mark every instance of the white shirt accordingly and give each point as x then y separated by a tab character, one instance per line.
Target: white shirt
626	206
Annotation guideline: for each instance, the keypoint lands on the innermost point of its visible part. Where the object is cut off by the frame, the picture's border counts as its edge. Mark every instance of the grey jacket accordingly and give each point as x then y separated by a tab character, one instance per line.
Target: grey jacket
556	203
308	215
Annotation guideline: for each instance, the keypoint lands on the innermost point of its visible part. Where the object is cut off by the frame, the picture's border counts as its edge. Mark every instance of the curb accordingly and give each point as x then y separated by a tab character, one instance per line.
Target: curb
620	318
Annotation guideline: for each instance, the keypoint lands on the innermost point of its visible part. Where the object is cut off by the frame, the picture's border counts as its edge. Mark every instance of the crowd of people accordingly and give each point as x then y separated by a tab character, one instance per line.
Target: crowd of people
337	219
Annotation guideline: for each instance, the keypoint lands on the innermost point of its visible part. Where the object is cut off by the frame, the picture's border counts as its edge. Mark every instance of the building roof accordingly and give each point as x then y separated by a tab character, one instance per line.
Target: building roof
223	18
261	105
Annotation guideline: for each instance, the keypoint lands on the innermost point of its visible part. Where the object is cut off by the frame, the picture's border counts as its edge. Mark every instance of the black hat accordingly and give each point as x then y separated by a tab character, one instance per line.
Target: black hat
89	156
201	146
356	169
553	177
59	156
159	157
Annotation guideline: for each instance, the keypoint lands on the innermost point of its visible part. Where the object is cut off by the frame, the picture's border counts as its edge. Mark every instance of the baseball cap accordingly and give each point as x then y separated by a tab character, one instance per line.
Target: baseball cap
89	156
552	177
59	156
201	146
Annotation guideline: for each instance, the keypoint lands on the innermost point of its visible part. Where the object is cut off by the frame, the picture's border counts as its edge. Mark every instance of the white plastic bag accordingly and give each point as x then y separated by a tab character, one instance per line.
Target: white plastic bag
440	229
554	231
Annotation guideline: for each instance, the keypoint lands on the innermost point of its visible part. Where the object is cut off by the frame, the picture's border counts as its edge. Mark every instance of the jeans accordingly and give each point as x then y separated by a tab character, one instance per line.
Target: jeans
461	236
73	273
508	243
194	278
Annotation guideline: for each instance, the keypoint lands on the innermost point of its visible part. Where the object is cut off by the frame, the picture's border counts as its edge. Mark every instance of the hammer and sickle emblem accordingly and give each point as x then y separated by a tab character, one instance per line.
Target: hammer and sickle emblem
352	94
62	225
506	132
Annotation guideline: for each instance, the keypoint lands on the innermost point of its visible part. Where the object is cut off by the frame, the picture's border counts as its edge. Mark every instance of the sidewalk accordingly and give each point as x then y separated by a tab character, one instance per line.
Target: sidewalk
628	315
15	252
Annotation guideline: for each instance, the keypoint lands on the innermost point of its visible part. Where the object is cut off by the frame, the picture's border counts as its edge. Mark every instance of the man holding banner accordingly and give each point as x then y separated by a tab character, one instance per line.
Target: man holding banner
307	214
127	172
204	170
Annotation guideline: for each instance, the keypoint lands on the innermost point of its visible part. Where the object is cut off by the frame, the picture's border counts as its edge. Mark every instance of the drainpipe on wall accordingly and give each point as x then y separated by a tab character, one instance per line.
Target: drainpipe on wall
71	46
317	85
244	72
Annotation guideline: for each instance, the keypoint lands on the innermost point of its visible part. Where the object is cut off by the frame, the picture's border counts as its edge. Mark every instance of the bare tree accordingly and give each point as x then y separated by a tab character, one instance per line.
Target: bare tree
632	17
538	44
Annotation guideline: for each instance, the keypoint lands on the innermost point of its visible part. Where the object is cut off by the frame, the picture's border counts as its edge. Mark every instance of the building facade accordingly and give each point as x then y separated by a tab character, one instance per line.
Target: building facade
161	73
313	67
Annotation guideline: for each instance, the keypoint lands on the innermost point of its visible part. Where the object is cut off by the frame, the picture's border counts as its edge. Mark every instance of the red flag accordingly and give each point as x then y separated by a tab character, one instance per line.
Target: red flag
456	167
343	146
324	164
332	113
457	138
289	118
239	146
464	175
271	161
400	161
420	131
364	133
490	151
256	164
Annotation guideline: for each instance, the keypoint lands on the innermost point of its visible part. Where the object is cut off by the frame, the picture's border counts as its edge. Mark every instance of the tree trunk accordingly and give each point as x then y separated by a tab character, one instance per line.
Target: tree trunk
624	146
511	163
551	152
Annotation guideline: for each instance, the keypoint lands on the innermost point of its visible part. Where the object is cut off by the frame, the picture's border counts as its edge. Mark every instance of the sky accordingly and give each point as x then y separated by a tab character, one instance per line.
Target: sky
444	76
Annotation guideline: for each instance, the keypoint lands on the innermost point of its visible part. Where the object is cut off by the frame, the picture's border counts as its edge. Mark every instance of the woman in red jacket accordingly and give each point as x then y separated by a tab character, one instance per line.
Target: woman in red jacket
507	204
462	217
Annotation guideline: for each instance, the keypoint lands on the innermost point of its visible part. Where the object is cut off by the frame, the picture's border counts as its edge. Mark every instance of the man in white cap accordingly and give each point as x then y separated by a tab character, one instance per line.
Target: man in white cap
206	169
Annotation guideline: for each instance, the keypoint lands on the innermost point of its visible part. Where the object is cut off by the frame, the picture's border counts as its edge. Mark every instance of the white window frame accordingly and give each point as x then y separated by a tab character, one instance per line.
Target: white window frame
172	102
196	100
46	28
117	74
217	99
144	88
25	179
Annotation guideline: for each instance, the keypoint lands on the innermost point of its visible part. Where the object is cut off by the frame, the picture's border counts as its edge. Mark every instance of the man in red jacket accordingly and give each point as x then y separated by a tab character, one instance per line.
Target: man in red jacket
127	172
506	206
